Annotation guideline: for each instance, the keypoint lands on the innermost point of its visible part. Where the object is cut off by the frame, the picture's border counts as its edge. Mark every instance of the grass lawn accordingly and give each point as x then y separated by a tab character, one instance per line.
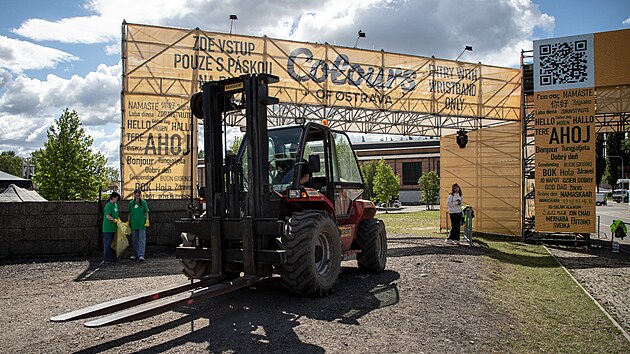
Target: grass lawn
425	223
528	286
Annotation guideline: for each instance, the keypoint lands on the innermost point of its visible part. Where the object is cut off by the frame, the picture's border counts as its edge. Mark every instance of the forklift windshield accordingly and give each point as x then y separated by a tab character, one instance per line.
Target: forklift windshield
283	154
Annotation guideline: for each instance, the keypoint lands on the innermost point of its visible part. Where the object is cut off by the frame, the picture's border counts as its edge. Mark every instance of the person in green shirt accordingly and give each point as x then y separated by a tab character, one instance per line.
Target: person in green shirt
109	226
138	222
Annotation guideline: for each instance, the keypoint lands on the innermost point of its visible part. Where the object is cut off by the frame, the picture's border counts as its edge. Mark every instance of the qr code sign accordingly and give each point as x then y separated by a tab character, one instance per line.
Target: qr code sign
562	63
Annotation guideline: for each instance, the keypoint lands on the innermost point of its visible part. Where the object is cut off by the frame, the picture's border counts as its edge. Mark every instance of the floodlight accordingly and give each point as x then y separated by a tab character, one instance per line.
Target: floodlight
361	34
465	49
232	19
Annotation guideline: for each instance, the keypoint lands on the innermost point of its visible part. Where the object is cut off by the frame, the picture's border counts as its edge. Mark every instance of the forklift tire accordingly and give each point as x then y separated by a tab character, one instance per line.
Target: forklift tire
372	241
313	251
196	269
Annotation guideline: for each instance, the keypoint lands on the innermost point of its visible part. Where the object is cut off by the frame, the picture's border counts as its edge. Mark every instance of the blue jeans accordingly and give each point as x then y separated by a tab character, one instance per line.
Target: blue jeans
108	252
139	241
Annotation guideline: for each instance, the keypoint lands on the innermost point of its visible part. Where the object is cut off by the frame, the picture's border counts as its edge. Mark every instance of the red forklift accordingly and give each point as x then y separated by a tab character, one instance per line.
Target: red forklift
287	203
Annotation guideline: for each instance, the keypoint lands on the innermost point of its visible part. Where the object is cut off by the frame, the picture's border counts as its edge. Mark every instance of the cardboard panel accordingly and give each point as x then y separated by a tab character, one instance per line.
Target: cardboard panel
612	53
488	171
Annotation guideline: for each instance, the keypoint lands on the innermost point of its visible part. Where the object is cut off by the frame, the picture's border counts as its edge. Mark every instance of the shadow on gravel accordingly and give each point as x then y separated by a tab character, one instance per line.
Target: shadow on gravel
432	245
127	268
158	262
585	257
263	318
591	258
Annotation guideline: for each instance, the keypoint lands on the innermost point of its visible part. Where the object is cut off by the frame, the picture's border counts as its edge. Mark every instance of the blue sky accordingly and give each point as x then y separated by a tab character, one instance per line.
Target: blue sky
582	17
60	53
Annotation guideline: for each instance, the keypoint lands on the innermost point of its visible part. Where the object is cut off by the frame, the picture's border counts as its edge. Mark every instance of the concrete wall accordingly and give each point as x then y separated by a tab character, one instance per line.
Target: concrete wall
410	197
72	228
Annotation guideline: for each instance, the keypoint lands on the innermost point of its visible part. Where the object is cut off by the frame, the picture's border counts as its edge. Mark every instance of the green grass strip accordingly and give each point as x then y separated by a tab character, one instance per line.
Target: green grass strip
549	312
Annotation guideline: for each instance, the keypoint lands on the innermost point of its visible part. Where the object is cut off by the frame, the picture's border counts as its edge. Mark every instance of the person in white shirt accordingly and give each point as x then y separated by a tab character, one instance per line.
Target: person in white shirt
454	203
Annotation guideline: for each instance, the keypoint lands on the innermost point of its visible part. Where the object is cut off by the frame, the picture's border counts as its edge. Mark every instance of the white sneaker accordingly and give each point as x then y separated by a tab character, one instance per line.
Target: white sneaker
448	240
141	259
133	257
456	242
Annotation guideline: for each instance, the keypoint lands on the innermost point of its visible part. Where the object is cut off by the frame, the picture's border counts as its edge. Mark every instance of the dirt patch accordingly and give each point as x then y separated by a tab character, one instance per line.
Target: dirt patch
428	300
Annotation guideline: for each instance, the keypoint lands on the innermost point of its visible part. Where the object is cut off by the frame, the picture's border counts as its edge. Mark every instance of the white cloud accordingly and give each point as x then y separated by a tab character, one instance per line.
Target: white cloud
28	106
112	49
497	30
110	149
626	21
22	134
430	27
95	96
5	77
95	132
68	30
104	25
434	27
17	55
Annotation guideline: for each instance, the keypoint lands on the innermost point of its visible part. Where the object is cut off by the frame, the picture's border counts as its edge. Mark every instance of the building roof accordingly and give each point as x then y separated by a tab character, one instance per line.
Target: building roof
15	194
398	156
399	144
8	179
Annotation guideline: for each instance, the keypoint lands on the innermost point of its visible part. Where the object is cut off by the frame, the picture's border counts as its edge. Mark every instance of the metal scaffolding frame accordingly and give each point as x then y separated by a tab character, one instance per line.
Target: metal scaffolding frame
371	121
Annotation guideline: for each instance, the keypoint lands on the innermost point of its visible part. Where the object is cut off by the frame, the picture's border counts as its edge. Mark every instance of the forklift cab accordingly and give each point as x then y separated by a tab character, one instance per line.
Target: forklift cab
326	154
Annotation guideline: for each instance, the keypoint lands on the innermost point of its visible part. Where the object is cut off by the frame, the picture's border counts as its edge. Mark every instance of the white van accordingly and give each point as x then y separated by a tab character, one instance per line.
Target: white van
620	195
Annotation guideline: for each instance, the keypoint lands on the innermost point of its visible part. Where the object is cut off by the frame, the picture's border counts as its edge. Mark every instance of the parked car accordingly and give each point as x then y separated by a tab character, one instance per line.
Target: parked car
600	199
620	195
393	204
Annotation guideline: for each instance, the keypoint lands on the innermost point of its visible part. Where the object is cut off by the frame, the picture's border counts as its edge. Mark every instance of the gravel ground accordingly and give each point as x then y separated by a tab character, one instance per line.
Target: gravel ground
605	275
428	299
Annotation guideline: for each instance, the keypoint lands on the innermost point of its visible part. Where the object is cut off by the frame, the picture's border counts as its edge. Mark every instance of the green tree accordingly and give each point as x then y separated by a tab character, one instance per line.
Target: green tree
35	154
386	183
429	184
346	158
10	163
111	175
613	148
368	170
67	169
236	144
600	161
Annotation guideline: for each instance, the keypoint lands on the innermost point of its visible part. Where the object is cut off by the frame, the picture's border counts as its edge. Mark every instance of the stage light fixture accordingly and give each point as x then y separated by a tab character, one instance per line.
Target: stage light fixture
462	139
